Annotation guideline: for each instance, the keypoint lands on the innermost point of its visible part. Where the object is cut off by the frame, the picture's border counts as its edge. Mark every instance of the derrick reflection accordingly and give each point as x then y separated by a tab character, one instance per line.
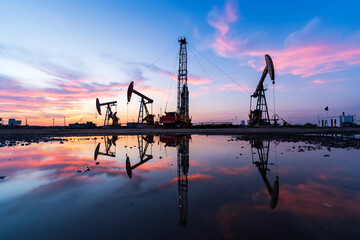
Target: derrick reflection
144	157
263	148
109	142
182	146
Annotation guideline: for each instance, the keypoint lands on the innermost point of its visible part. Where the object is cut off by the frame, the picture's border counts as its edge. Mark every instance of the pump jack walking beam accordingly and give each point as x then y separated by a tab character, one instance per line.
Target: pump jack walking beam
149	118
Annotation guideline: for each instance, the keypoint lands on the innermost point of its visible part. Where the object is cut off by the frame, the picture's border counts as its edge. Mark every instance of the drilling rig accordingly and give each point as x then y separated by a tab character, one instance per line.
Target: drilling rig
182	147
260	116
180	118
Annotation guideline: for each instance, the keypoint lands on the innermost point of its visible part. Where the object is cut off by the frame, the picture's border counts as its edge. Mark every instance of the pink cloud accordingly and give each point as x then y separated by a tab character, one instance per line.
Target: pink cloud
320	81
198	80
65	97
308	60
223	45
299	56
232	170
220	21
313	199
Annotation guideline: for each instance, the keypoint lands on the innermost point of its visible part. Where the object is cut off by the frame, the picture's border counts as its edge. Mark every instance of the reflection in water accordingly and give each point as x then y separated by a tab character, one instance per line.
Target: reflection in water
263	148
109	142
183	168
315	201
182	147
142	153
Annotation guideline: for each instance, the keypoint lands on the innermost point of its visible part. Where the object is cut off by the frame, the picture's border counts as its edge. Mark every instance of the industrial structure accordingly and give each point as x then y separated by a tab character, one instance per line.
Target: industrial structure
262	148
109	142
260	116
180	118
144	157
148	118
337	121
86	125
109	112
182	146
13	122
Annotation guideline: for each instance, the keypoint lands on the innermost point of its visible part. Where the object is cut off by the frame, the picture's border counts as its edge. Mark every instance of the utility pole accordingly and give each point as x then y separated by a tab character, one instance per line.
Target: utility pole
64	121
53	122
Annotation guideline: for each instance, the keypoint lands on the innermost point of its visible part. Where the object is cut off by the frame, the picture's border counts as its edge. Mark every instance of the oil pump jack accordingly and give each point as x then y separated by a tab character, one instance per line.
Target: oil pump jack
260	116
180	118
109	113
142	154
109	142
262	148
182	147
149	118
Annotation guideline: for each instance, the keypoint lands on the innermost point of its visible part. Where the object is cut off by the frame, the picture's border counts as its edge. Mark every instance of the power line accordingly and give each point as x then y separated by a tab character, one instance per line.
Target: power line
218	68
147	68
212	83
171	83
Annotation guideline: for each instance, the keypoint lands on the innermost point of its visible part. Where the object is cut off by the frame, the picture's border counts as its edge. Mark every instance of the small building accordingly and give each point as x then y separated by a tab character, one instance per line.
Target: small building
83	125
131	124
13	122
337	121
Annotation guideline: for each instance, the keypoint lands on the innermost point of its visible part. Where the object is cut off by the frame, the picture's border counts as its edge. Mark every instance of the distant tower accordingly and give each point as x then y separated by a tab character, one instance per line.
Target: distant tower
183	93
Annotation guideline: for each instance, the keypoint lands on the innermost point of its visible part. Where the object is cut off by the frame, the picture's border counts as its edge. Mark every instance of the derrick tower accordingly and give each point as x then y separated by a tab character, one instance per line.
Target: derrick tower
183	92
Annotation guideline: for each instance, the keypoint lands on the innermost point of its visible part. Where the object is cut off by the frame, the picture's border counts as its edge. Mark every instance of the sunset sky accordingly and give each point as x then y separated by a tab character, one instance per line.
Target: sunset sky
57	57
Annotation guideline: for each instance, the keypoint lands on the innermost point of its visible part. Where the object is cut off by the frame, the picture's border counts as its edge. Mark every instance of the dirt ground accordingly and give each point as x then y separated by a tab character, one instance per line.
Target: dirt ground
160	131
327	137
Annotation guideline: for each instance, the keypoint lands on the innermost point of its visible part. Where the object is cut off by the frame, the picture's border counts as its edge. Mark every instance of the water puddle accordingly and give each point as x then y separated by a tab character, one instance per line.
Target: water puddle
178	187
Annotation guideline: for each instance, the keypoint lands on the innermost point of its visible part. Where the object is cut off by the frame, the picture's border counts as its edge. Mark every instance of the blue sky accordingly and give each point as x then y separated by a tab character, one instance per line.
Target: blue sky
56	57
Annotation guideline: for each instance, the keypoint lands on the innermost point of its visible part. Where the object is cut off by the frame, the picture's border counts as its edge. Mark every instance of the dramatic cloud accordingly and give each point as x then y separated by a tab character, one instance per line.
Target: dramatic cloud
51	90
305	52
309	60
221	20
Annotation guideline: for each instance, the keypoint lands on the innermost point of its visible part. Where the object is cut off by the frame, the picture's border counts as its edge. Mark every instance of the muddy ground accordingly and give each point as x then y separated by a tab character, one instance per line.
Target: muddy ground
328	137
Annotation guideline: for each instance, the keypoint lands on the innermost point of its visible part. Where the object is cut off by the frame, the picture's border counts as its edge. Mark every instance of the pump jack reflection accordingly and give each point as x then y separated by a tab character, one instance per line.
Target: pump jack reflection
263	148
109	142
182	145
142	153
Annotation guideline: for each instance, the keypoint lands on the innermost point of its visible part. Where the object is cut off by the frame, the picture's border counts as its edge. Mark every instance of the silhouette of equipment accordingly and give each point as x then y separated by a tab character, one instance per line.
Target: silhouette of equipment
142	154
109	113
149	118
182	145
180	118
260	116
262	165
109	142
